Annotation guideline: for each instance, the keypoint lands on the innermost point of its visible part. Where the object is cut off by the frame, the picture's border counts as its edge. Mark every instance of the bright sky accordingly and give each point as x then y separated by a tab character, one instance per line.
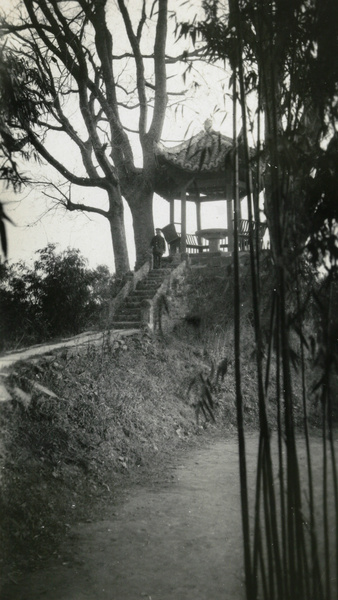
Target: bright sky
39	222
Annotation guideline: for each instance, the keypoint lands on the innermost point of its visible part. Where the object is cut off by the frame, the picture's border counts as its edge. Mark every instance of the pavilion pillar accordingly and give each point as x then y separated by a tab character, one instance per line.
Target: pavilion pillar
183	246
198	218
230	216
239	209
172	211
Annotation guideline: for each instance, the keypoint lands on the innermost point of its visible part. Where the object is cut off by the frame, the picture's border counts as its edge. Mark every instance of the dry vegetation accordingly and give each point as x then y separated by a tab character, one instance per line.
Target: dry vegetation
120	410
117	409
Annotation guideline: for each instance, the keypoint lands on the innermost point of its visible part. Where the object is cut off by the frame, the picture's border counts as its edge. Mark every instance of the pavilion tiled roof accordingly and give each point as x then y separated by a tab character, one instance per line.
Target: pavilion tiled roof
207	151
201	166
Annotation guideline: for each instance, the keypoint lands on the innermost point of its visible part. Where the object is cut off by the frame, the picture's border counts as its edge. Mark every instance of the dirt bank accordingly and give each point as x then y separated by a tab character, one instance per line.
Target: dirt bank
177	536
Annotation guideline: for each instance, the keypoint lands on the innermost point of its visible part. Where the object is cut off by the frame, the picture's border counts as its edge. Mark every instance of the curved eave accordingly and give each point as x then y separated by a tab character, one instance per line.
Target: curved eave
204	152
202	165
200	186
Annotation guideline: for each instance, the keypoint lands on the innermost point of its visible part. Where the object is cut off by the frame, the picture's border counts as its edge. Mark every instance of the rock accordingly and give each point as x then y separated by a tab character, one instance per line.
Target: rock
43	390
4	394
22	396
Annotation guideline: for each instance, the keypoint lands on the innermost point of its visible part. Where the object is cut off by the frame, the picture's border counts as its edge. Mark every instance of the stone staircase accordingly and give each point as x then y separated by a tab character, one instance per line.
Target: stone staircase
128	316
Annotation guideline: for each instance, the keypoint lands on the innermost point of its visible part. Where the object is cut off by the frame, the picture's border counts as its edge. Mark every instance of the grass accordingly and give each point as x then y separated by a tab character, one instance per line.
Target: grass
118	410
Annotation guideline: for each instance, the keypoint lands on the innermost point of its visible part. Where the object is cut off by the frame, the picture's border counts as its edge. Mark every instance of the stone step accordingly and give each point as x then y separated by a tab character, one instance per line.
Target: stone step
129	310
169	262
148	285
133	303
142	294
127	325
158	273
126	317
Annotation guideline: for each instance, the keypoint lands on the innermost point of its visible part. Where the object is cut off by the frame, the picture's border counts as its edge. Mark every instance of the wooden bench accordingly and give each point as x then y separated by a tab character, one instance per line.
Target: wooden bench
193	245
243	233
173	240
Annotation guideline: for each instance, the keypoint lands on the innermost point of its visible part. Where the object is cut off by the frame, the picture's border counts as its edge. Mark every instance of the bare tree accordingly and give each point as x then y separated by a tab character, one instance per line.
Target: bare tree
84	91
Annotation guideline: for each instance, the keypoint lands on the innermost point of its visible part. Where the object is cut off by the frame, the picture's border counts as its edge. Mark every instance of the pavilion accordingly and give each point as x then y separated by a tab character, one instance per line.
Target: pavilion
198	170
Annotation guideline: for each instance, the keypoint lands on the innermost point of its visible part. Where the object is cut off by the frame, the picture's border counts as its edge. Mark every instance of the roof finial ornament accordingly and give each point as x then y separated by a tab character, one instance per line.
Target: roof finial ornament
208	125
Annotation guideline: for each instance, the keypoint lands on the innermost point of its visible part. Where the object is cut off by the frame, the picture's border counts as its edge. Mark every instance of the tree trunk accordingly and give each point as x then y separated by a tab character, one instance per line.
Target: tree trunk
141	207
118	235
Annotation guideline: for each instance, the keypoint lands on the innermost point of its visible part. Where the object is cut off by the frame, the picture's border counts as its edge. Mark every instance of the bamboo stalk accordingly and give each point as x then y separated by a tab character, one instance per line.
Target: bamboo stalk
268	527
257	545
317	591
330	428
293	495
268	361
325	506
287	582
263	571
239	398
257	186
287	574
261	397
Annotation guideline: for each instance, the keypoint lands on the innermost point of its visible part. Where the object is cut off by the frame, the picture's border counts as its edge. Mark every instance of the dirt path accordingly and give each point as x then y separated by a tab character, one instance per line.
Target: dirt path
178	538
80	342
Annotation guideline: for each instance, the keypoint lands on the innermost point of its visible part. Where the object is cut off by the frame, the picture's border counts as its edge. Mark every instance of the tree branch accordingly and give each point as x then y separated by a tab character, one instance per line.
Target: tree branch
119	140
84	147
140	76
71	206
100	182
186	56
65	35
128	106
183	57
141	23
160	73
49	126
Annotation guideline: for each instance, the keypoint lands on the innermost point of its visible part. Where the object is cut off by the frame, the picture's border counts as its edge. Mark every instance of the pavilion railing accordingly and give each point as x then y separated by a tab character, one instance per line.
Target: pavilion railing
243	233
195	245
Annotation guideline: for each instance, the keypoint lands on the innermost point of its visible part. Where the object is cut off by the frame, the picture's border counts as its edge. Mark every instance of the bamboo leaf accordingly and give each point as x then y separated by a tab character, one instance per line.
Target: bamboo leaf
319	383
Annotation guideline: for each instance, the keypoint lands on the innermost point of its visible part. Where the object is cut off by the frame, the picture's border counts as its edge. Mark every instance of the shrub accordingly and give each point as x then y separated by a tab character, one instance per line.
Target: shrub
60	295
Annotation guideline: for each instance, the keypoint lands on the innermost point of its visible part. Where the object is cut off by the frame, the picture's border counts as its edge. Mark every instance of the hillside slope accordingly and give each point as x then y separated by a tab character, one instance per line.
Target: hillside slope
112	412
115	408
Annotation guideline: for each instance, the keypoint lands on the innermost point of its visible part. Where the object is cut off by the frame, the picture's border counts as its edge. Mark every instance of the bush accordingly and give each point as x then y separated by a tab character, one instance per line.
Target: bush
60	295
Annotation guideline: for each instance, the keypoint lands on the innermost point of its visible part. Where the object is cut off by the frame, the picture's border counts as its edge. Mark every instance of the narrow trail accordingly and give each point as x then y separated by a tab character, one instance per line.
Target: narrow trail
178	537
79	342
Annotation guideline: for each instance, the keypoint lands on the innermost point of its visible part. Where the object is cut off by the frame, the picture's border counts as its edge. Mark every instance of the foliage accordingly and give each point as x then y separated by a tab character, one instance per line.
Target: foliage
289	76
203	401
322	245
60	295
23	98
